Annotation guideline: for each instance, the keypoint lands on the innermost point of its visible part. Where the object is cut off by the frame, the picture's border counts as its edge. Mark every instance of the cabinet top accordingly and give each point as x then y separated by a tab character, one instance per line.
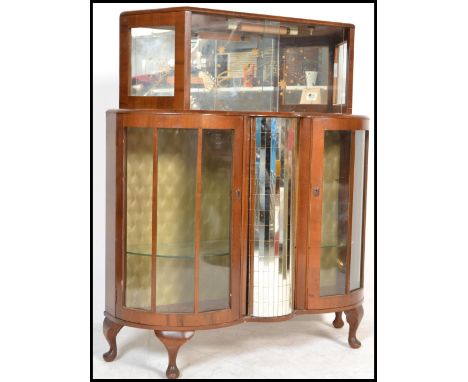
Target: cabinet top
256	16
189	58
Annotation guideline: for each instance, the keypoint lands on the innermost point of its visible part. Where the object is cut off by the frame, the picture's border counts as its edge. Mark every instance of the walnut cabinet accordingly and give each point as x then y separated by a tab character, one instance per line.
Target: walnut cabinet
236	175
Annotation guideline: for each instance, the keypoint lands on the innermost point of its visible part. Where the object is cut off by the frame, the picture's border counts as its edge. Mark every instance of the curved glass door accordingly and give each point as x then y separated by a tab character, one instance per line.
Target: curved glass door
215	220
139	192
342	211
179	200
335	208
175	225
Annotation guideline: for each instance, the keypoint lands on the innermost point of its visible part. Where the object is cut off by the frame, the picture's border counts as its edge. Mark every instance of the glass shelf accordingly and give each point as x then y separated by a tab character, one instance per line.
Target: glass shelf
333	246
209	248
232	89
178	257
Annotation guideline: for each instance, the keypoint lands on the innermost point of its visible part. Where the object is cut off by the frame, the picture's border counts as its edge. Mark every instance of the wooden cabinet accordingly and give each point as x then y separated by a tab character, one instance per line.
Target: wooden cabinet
179	231
251	209
202	59
330	249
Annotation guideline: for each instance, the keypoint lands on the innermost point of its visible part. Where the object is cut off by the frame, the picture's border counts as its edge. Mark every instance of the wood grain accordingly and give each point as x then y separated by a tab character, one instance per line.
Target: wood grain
172	342
111	197
194	121
175	19
354	317
338	321
110	329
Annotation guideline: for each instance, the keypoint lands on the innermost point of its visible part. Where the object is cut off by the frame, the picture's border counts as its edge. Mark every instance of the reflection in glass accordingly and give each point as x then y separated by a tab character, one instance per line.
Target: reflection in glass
177	167
259	65
215	220
139	179
234	66
152	61
306	71
335	208
358	195
273	247
339	74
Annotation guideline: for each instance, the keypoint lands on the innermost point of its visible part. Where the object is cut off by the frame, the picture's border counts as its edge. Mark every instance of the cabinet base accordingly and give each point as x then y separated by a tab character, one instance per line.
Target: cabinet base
174	339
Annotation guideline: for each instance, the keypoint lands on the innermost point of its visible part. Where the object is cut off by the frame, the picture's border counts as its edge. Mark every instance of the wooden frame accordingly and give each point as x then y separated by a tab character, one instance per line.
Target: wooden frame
307	235
314	300
152	113
181	23
174	329
180	19
185	121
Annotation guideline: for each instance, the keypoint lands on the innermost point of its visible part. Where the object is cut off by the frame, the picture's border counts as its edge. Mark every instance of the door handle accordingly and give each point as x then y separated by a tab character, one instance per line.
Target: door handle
316	191
238	194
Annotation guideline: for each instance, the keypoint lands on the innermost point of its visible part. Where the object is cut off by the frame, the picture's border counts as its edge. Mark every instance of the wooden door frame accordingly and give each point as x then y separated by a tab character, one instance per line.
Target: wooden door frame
318	127
186	121
181	22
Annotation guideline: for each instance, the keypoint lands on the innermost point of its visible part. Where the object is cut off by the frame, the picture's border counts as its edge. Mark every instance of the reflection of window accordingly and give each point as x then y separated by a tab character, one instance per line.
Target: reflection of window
152	61
339	74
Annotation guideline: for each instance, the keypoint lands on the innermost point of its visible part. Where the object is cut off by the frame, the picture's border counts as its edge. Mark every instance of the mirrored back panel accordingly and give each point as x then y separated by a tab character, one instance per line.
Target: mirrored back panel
215	60
272	216
263	65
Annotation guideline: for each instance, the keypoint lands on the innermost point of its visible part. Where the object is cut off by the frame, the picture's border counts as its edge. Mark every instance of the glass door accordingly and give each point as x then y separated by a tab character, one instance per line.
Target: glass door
337	204
182	183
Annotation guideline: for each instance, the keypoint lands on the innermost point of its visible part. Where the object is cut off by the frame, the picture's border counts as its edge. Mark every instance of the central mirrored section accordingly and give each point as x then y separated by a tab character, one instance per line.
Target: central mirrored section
273	204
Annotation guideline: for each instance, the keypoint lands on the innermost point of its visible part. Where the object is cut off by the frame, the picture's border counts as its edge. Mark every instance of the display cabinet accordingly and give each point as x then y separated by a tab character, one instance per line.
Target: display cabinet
236	175
200	59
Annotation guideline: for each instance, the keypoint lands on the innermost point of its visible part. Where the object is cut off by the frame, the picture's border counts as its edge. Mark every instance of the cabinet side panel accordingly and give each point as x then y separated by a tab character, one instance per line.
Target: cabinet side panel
111	145
349	85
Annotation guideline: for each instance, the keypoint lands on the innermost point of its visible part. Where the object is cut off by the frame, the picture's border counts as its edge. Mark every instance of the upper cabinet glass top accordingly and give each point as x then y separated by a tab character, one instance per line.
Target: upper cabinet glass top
212	60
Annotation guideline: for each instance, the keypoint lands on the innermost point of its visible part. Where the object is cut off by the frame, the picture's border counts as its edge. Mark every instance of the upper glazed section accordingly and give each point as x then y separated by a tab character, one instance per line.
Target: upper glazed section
201	59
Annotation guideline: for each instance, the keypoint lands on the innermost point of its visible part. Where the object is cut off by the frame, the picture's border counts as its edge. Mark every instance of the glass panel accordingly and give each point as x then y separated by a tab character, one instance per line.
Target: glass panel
152	61
259	65
358	202
215	220
234	64
335	207
305	71
273	247
139	176
339	74
177	171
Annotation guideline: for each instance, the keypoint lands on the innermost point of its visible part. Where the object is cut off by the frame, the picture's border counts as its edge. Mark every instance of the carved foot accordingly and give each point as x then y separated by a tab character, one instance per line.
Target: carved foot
338	322
173	341
110	330
354	317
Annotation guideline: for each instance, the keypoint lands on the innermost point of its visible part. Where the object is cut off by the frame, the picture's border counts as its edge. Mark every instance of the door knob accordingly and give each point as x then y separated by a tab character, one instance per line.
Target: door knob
316	190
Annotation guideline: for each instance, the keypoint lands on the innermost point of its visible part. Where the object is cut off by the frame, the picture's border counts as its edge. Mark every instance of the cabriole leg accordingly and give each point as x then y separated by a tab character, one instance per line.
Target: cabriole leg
110	330
338	322
173	341
354	317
